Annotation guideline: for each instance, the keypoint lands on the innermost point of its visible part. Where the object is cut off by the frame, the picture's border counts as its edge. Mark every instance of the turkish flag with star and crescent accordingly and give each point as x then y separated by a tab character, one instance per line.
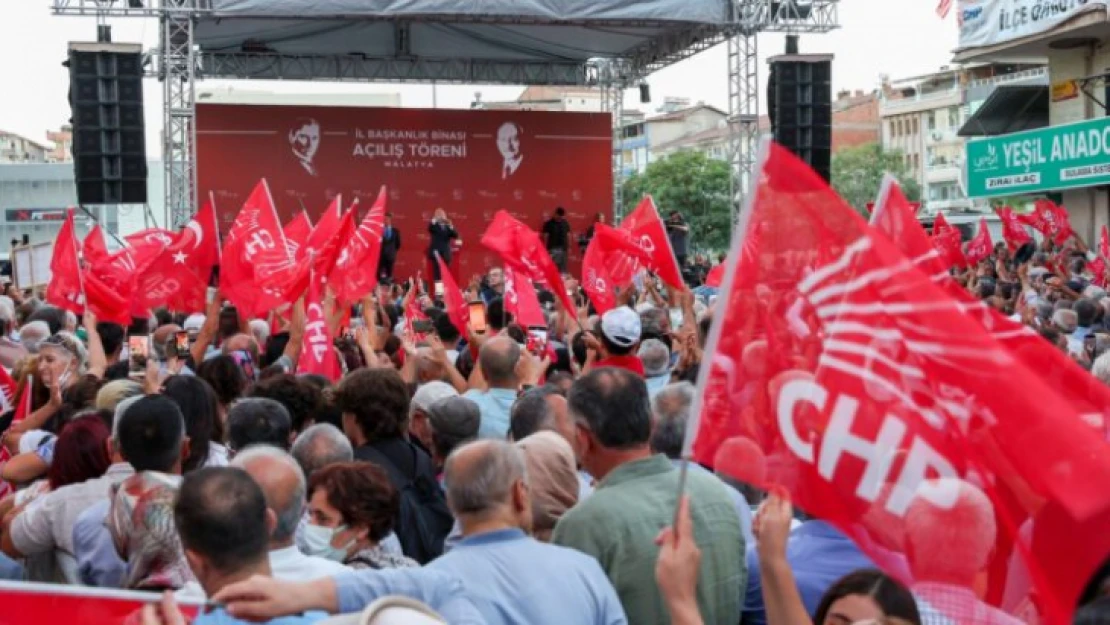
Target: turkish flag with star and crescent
846	367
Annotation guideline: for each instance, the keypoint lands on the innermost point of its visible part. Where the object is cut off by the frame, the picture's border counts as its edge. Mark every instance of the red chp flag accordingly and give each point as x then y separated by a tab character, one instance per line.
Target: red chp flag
1050	220
65	289
150	236
650	233
980	246
22	409
849	372
94	249
297	232
356	269
946	240
521	300
1104	243
457	309
521	248
29	603
1012	229
256	259
609	251
318	356
321	252
596	280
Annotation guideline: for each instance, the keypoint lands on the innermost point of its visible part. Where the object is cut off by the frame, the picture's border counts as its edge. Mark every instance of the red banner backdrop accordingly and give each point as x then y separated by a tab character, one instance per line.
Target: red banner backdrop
470	163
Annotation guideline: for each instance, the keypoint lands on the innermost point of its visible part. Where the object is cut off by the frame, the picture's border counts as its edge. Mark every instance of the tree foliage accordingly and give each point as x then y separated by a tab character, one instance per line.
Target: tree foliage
857	173
696	186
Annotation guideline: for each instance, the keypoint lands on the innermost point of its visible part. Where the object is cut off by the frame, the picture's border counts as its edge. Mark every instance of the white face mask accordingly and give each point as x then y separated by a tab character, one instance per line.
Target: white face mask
317	541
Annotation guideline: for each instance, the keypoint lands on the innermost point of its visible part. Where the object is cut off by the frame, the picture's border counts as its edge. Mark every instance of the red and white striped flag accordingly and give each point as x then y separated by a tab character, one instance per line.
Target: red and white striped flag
943	7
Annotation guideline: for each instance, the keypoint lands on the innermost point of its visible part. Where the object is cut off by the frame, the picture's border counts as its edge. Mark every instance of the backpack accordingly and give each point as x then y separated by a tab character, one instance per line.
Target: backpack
423	521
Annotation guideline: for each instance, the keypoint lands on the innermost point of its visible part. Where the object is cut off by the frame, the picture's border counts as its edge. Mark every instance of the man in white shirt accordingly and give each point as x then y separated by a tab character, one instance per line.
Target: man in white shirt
283	483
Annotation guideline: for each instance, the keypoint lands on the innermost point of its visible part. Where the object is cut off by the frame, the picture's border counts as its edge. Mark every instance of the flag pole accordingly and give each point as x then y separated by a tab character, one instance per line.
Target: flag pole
683	469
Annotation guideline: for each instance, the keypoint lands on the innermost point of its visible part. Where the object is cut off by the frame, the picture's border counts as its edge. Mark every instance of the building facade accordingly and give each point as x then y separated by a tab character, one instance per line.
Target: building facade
855	120
923	116
62	152
694	127
18	149
1048	139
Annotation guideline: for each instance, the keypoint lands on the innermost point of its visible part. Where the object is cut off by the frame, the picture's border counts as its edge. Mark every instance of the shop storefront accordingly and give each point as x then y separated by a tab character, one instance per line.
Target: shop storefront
1051	143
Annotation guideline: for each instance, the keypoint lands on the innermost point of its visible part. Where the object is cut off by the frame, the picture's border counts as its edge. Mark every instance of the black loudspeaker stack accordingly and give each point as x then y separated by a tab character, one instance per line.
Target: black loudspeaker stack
109	146
799	96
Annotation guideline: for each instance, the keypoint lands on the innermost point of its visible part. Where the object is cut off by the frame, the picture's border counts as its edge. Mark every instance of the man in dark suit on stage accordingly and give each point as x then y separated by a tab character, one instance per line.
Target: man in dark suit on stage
391	244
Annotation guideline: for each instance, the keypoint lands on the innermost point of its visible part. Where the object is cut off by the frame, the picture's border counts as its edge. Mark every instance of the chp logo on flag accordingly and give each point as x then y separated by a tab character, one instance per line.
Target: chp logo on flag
860	403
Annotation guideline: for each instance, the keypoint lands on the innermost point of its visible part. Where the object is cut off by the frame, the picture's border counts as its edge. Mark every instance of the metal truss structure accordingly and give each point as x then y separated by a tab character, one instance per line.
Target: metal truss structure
178	63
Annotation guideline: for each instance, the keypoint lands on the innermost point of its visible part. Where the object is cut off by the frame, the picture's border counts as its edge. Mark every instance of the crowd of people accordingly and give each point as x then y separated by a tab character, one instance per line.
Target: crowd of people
501	475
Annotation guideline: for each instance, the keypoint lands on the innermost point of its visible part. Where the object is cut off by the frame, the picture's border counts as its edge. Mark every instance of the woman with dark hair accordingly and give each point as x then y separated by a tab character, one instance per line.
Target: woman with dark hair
80	453
351	510
863	595
225	377
203	426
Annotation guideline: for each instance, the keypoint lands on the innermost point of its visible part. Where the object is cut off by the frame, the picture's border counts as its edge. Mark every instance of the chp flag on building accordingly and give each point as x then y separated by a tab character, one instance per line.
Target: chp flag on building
852	382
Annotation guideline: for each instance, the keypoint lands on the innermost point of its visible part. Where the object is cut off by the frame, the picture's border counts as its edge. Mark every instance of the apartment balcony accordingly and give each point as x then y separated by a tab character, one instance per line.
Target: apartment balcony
943	172
921	102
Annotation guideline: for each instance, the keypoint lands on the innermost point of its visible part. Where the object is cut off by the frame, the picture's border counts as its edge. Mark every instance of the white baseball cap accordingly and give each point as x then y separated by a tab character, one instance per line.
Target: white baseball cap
621	326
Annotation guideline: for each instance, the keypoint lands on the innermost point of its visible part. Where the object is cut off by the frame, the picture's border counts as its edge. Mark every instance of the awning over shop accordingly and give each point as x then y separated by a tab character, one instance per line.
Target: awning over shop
1009	108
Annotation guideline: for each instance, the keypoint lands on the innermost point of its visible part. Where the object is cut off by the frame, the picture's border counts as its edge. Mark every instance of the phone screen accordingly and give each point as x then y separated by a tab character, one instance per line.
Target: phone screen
439	289
478	316
537	340
139	345
182	340
422	326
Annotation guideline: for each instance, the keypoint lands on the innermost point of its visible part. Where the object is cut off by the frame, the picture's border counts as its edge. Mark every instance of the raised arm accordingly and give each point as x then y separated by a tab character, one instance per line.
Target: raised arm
98	361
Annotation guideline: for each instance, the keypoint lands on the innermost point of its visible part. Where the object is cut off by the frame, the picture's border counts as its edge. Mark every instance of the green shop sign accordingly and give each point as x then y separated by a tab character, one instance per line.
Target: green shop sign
1046	159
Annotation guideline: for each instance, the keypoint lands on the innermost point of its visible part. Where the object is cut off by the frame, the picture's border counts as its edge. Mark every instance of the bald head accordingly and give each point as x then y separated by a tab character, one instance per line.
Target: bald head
498	359
242	342
481	478
283	484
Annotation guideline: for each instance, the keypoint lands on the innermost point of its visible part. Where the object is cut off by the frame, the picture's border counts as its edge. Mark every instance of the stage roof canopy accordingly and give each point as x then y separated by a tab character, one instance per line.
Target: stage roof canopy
486	41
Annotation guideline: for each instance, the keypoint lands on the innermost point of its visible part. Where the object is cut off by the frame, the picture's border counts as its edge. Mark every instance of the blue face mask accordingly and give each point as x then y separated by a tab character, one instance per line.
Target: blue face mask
317	542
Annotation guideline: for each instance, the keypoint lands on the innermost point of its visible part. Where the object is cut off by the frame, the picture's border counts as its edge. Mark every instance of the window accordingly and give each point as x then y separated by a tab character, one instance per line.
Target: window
914	131
953	117
916	162
932	120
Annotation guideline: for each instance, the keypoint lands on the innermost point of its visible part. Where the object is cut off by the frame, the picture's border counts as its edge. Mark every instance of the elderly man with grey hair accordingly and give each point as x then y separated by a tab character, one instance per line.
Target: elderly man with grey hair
321	445
670	412
33	333
283	484
503	569
656	357
420	429
1066	321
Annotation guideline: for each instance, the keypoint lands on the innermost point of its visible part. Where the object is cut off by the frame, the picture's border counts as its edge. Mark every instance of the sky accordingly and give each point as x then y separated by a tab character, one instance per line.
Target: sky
899	38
